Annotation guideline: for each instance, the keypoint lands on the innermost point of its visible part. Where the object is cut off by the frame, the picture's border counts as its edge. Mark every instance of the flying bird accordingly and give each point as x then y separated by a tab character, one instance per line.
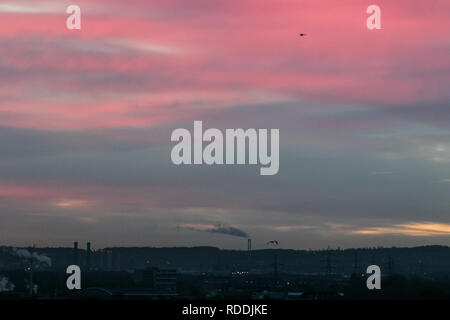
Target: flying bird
302	34
273	242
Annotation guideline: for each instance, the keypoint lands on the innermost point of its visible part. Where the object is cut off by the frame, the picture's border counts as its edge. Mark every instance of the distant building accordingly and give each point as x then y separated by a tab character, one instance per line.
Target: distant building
161	280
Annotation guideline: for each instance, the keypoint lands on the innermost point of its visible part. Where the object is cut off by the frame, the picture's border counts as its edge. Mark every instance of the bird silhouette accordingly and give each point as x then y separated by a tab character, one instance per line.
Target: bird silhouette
302	34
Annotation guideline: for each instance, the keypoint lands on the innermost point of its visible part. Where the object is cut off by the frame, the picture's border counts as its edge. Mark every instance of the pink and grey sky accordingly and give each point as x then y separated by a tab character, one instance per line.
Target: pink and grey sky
86	117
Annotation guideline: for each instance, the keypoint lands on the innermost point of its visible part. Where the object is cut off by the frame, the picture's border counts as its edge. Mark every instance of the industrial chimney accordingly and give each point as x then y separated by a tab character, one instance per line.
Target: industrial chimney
88	255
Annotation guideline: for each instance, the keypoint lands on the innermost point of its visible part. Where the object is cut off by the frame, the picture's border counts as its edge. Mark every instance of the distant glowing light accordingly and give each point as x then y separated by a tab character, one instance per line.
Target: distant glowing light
410	229
71	203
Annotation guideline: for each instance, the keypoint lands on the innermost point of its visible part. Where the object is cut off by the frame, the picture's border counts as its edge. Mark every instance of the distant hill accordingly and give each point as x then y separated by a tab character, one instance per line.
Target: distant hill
426	260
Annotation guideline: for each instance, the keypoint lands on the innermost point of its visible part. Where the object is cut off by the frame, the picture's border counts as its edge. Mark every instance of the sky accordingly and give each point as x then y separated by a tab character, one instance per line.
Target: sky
86	117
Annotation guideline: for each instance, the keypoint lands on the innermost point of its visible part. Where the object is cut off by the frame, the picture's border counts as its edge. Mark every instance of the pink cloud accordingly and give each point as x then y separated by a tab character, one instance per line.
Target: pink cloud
230	47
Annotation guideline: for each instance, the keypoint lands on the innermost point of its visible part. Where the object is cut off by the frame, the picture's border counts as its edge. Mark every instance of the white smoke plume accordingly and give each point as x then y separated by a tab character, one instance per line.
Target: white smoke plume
36	257
6	285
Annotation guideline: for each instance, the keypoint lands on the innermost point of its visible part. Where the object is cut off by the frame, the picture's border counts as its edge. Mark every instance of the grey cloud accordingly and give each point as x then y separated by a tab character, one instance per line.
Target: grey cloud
231	231
217	228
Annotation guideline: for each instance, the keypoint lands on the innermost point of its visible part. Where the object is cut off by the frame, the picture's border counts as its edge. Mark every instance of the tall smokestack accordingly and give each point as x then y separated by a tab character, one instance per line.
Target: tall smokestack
88	255
75	253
